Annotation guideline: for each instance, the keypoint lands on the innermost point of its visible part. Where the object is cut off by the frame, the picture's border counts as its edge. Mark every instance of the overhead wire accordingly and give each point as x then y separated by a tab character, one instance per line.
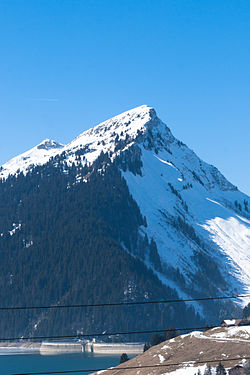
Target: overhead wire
131	303
113	304
82	335
13	308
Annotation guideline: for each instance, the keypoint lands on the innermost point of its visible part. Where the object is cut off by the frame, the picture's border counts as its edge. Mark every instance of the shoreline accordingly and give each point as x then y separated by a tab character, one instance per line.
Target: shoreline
56	348
20	345
18	348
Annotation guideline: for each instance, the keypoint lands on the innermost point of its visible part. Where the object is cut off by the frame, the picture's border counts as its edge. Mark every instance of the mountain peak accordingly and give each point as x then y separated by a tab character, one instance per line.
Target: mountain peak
48	144
38	155
143	113
196	218
142	110
124	126
102	137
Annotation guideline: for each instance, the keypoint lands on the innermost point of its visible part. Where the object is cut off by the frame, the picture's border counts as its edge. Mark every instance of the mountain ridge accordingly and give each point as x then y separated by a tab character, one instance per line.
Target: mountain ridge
140	117
151	141
191	225
92	135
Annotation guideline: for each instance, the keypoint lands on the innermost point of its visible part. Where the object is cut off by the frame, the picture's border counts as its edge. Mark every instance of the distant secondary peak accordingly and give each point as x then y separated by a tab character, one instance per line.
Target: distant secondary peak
49	144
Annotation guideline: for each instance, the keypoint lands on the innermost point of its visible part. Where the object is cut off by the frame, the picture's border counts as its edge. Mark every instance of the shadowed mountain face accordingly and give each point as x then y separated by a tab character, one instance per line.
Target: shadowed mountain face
123	212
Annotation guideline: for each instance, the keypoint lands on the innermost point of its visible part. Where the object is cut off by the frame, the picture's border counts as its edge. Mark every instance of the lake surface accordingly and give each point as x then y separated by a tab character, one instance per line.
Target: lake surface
25	363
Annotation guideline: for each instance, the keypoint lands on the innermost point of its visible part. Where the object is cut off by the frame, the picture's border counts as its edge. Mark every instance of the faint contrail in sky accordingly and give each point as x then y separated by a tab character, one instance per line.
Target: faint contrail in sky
44	99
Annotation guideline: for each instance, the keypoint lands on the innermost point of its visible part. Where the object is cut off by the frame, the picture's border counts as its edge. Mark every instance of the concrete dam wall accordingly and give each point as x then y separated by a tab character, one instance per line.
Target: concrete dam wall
53	348
113	348
47	348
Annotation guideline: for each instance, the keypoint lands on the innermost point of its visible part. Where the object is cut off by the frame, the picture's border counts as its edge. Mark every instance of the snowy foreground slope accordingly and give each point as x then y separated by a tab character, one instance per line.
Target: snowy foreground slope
198	220
180	355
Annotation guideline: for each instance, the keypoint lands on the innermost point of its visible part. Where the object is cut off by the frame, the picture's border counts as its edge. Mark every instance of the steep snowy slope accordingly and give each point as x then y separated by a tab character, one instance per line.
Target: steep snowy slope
195	216
208	224
198	220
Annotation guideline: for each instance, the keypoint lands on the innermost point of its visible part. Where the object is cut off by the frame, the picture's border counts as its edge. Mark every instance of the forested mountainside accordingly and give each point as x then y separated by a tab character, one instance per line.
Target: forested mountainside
125	212
67	249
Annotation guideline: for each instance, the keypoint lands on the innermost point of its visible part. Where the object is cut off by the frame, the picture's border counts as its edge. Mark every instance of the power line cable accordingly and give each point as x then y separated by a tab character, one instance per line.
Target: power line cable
4	308
133	367
79	336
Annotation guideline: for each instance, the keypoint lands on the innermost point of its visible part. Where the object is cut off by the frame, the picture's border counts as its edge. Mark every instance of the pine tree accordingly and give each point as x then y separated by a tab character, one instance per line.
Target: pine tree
146	346
170	333
247	368
246	311
208	370
124	358
220	369
156	339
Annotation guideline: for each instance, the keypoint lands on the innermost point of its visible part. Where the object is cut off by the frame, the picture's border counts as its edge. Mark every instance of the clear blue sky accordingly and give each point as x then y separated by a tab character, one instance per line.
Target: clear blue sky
66	65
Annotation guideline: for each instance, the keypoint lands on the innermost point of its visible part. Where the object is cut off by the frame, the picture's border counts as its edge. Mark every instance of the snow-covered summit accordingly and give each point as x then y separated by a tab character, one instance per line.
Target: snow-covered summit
102	137
141	126
122	128
38	155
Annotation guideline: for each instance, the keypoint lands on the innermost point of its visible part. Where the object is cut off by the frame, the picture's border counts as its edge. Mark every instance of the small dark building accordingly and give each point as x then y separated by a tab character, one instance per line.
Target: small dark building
235	322
230	322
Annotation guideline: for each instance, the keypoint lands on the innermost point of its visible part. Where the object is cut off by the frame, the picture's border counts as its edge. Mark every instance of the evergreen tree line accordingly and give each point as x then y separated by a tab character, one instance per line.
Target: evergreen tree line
220	370
68	251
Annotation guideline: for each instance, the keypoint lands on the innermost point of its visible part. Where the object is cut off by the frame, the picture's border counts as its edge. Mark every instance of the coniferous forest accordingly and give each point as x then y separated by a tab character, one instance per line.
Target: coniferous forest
61	233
